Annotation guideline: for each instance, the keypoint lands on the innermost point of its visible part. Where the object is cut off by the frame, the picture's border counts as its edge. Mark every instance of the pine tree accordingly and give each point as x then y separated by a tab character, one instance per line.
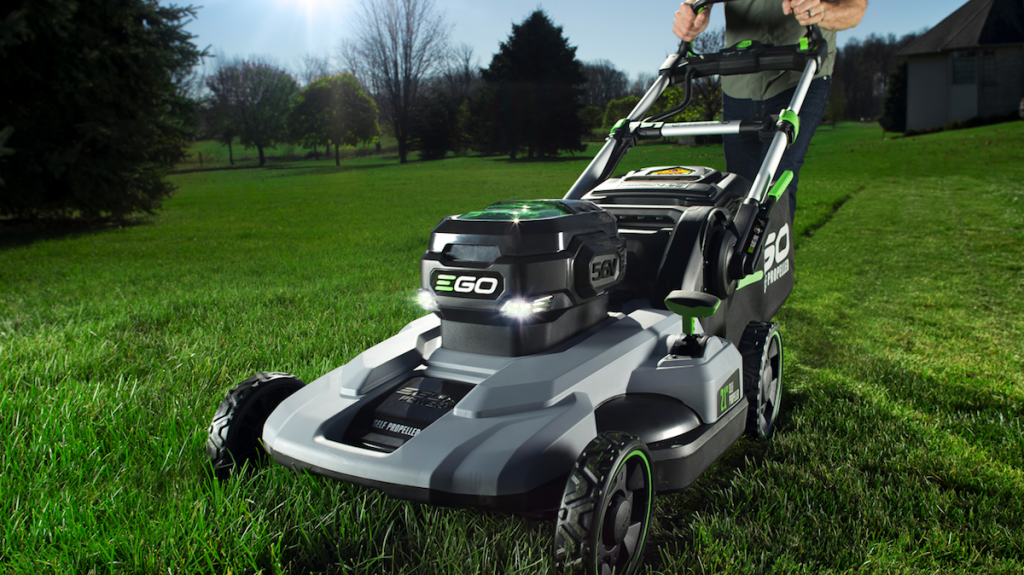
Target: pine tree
536	91
94	94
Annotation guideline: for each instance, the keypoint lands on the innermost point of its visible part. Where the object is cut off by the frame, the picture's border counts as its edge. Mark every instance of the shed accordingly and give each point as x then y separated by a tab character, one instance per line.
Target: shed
969	65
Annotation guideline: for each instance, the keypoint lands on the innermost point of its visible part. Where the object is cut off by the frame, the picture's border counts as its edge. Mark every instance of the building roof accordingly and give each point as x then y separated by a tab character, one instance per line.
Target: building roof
976	23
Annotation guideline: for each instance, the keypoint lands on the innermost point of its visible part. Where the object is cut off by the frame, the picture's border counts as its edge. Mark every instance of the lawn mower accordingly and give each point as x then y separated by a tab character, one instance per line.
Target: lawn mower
581	354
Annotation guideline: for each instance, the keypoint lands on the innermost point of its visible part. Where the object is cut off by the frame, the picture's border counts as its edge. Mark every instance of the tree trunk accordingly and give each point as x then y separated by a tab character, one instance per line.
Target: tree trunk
337	160
231	156
402	151
263	159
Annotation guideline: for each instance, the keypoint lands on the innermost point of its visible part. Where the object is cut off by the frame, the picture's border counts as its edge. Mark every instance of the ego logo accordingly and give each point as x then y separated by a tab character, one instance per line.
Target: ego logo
604	269
479	285
776	256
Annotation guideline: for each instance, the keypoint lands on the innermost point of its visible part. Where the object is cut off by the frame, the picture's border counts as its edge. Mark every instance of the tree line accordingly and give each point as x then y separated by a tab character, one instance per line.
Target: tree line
99	100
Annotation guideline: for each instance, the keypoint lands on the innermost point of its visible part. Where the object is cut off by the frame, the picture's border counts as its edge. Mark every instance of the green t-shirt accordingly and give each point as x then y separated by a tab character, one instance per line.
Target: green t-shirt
763	20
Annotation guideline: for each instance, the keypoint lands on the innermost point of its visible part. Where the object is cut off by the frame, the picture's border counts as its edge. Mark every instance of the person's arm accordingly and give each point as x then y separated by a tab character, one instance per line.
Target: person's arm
687	25
828	14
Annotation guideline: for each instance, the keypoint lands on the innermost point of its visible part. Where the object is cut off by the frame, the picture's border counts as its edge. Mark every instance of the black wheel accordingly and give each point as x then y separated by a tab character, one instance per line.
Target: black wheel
237	427
606	509
761	347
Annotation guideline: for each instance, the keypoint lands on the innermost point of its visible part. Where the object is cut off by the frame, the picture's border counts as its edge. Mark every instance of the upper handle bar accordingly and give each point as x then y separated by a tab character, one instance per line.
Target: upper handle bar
813	36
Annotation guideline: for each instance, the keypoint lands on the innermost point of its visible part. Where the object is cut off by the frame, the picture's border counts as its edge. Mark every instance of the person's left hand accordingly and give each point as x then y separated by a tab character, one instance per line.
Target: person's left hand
806	12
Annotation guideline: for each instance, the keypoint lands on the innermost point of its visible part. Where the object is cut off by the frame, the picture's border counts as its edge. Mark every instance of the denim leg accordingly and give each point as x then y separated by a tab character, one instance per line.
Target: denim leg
745	152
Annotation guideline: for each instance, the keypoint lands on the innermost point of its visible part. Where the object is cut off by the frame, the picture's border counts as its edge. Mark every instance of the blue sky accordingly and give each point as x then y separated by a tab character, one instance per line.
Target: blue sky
634	35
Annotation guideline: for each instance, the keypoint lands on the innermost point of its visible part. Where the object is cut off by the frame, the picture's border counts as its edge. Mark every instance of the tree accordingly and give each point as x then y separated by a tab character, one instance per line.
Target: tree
592	117
604	83
862	70
706	92
93	104
460	75
536	90
312	67
435	124
895	105
219	112
399	43
336	110
619	109
257	97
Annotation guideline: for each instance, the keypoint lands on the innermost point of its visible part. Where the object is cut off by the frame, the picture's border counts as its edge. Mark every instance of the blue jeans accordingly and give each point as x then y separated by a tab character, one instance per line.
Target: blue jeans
745	152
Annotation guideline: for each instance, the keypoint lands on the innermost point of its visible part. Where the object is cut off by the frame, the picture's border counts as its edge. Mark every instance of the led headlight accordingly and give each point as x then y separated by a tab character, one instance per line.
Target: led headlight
520	308
426	300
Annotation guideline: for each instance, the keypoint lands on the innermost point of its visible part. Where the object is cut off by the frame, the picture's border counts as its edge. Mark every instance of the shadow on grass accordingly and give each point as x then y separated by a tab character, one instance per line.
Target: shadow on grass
544	160
20	233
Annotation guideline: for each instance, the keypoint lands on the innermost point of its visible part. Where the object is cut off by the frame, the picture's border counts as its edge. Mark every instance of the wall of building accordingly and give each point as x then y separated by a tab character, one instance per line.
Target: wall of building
1001	80
927	91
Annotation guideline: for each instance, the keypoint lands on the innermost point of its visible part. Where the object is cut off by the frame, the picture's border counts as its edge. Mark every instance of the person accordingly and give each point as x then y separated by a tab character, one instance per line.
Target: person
756	96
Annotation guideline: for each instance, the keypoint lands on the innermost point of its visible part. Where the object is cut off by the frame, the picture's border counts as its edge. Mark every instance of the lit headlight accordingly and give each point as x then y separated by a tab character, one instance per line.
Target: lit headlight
426	300
520	308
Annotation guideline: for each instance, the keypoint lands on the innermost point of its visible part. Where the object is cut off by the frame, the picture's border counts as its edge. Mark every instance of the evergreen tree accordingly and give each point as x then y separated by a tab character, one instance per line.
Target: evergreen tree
435	125
895	105
93	100
536	91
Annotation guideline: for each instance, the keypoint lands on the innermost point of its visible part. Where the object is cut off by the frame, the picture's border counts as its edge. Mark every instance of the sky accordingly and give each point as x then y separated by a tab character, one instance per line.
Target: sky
635	35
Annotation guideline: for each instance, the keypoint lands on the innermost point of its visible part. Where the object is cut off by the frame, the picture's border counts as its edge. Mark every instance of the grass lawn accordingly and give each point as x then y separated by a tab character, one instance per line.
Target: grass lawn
900	447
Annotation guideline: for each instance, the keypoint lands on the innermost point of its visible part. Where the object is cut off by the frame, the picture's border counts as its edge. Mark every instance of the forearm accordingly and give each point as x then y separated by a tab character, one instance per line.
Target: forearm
842	14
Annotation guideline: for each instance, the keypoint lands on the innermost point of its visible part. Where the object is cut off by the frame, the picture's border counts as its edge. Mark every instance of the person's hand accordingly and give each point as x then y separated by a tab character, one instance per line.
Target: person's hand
687	25
806	12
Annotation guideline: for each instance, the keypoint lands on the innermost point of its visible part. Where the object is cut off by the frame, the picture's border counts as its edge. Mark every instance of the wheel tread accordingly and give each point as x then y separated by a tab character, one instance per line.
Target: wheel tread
231	415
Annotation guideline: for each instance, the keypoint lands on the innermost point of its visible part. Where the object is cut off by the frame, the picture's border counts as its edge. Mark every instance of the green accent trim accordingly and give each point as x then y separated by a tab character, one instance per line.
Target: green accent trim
518	211
650	499
617	126
781	184
744	44
445	277
804	44
444	288
790	116
751	279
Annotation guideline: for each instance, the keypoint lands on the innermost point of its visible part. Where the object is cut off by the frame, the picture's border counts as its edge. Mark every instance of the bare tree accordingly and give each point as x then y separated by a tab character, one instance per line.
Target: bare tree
311	68
460	73
706	102
643	81
605	83
398	44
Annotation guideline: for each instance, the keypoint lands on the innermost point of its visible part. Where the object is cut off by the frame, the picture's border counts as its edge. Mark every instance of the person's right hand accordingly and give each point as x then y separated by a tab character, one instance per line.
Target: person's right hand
687	25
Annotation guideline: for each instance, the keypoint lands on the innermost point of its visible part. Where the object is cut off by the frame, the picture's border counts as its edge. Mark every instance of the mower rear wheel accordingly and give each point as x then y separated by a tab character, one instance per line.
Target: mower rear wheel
237	426
761	348
606	509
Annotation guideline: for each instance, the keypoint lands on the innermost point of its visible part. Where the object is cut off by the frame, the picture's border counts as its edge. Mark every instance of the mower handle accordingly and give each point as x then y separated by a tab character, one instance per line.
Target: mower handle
813	31
698	6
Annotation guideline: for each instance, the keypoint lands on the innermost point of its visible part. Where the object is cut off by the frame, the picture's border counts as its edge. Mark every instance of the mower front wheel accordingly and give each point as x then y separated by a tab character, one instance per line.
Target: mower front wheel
237	426
761	348
606	509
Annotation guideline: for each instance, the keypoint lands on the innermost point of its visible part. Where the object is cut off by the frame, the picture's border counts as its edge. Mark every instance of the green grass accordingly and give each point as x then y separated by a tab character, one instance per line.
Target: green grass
899	448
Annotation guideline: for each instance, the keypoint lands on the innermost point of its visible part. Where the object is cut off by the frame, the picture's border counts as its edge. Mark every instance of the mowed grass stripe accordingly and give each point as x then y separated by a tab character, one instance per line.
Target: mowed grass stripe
899	449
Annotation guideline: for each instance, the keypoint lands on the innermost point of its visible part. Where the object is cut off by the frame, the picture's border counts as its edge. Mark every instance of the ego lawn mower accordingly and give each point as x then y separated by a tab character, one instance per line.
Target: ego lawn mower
581	355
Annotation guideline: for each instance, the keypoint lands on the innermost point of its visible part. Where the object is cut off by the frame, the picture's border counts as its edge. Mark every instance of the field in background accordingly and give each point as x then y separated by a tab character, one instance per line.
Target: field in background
900	446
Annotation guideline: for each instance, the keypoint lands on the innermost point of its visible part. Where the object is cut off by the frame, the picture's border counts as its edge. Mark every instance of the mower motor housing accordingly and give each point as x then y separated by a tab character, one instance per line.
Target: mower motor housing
521	277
